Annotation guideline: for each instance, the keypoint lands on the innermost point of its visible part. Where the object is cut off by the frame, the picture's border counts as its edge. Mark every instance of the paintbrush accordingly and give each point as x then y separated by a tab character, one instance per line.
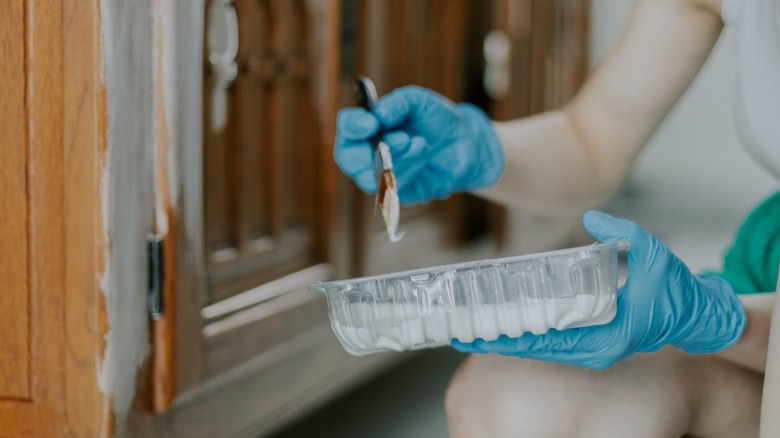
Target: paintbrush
387	191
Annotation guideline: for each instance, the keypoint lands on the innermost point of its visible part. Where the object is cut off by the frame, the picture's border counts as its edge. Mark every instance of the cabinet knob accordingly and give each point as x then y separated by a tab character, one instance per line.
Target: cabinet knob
496	48
222	40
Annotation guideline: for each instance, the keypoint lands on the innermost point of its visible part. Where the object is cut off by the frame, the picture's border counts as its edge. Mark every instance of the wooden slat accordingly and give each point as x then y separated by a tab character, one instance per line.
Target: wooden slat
417	32
539	54
14	255
221	172
188	163
220	175
163	329
252	89
514	18
240	124
299	164
307	142
323	87
47	227
219	200
44	413
451	71
84	148
291	120
275	120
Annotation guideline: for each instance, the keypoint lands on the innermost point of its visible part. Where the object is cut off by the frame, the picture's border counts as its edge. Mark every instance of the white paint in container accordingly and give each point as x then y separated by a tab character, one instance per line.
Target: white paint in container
484	299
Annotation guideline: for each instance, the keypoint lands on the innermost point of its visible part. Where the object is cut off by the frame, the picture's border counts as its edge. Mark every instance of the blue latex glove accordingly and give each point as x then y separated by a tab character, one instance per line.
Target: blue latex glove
437	147
661	303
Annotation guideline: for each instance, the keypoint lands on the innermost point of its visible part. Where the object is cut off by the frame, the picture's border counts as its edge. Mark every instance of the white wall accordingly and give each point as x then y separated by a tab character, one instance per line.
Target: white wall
127	44
693	176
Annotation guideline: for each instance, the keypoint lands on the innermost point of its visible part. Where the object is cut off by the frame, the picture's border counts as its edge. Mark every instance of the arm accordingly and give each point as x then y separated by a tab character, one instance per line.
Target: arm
751	349
568	159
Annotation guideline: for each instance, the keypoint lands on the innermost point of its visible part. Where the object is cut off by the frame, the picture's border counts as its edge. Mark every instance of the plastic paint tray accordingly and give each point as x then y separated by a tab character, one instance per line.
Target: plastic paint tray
429	307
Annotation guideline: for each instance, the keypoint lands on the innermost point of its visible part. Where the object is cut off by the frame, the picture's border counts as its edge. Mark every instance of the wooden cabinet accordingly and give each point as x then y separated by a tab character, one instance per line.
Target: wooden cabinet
252	346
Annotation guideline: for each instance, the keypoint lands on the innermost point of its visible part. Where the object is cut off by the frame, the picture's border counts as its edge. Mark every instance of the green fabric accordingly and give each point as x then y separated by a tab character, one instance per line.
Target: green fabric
751	264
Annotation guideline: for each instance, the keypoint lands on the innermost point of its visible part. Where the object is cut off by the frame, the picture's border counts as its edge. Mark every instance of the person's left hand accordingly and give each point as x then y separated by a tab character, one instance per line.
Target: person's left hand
661	303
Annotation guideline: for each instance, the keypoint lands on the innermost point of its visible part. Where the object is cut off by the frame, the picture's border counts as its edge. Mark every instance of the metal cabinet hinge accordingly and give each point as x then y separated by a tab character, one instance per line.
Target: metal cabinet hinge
154	293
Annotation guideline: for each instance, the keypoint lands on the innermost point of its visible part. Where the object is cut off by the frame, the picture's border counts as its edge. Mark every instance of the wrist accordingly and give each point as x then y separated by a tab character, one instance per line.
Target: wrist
719	320
487	165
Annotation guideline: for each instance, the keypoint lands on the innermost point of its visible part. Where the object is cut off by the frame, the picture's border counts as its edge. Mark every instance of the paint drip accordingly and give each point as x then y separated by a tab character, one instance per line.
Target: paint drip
390	205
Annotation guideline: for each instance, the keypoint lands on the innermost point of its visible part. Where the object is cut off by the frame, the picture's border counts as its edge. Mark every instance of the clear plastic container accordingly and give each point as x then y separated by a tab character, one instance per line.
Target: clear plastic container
484	299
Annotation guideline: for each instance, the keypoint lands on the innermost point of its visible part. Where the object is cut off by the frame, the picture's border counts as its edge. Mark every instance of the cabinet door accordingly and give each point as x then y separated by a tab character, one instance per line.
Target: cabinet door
53	317
266	172
263	165
253	346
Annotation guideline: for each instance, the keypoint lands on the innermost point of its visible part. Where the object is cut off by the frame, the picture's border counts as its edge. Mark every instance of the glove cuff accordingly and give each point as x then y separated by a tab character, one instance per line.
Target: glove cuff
718	324
488	165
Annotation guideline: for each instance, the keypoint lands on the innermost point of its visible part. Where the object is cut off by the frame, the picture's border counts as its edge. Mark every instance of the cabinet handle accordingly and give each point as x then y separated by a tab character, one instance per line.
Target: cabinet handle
222	41
496	48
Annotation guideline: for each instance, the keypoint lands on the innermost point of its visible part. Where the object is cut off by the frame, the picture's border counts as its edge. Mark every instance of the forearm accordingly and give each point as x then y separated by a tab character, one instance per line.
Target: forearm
548	169
568	160
751	349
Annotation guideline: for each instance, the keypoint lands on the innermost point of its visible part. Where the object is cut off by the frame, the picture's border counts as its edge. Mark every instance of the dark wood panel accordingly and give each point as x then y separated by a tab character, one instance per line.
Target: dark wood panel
255	98
513	17
221	183
262	170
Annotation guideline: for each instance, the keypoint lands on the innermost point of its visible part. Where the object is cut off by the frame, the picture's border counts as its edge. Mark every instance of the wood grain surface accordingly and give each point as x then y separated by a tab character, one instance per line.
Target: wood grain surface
53	123
14	251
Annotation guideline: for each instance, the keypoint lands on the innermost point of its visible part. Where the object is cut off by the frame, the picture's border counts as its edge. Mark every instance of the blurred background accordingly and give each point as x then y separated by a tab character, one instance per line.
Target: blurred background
266	211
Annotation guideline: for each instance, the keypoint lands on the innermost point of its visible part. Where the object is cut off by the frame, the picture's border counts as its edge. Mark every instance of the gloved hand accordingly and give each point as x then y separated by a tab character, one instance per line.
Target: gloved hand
437	147
661	303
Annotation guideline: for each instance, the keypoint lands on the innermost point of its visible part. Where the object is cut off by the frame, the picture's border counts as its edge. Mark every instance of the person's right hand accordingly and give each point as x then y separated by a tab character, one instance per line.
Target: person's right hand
661	303
438	147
